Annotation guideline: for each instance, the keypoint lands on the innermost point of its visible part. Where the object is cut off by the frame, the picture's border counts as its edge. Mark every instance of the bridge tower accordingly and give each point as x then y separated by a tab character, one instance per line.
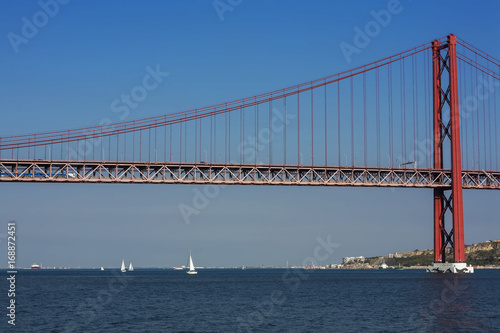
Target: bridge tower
445	97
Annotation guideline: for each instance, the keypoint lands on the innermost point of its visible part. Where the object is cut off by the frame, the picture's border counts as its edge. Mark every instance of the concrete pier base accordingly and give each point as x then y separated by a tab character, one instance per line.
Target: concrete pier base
450	267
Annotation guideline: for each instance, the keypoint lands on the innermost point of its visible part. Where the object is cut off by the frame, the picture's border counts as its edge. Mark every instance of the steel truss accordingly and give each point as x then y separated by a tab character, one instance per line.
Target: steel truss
237	174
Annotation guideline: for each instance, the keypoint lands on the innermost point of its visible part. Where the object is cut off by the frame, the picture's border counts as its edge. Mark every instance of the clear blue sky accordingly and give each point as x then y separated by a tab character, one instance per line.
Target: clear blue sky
86	54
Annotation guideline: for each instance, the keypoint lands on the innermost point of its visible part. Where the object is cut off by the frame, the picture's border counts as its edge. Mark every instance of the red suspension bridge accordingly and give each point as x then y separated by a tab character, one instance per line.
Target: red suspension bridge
426	117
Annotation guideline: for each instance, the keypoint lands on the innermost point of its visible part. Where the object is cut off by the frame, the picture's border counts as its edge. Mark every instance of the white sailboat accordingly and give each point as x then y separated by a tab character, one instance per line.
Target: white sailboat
102	268
191	266
123	269
130	267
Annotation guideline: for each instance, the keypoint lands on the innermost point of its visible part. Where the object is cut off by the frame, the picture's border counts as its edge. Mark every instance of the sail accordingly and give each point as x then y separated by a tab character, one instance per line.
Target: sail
123	266
191	266
130	268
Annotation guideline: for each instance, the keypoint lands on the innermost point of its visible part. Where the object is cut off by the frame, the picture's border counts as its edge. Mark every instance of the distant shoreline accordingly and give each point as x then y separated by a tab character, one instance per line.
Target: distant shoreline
353	267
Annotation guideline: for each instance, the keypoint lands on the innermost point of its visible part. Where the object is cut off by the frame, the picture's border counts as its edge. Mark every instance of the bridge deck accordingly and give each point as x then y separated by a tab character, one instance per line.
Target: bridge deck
236	174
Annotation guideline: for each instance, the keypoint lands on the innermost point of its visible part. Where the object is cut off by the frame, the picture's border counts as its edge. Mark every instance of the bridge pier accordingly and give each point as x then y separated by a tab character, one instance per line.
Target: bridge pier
450	267
448	199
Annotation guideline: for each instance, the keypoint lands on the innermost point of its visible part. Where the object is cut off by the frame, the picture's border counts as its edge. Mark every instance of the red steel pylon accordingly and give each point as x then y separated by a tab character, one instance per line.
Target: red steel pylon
447	199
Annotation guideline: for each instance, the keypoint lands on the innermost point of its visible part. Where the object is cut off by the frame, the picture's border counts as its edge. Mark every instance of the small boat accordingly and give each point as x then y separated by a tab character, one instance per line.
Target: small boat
123	269
190	265
102	268
178	268
130	267
36	266
383	266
